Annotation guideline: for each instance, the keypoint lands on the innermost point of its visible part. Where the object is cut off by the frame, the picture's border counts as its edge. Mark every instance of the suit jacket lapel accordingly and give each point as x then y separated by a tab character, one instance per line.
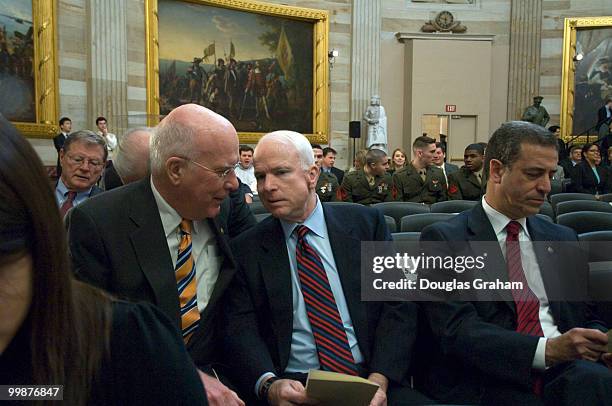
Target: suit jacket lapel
345	248
276	274
151	248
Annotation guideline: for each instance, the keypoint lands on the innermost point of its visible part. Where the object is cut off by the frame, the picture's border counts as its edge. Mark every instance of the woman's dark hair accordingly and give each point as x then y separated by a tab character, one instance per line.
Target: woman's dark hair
586	147
69	322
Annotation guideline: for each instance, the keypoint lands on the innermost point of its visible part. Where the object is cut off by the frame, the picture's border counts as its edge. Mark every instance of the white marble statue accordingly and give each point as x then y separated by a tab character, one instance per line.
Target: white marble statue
377	125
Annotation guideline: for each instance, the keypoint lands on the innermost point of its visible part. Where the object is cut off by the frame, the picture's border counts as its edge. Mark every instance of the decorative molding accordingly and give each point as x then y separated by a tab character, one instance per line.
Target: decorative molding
405	36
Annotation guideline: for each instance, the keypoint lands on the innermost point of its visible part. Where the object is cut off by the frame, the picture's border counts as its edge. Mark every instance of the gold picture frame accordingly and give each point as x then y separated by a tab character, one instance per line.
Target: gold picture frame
45	73
320	70
581	94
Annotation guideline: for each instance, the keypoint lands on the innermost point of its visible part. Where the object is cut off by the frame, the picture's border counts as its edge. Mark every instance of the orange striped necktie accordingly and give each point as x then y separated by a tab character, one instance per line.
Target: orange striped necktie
185	273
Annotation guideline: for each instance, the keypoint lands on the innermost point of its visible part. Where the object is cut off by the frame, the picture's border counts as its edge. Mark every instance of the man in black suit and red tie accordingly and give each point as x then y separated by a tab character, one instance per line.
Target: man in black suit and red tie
533	345
295	304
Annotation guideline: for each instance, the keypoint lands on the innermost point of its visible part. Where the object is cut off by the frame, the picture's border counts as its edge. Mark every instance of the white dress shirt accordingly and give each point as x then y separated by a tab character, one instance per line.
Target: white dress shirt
533	276
247	176
204	249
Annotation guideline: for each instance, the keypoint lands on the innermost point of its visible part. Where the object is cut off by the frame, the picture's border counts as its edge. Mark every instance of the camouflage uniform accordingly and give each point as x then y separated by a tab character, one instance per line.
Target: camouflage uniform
356	188
408	186
327	186
463	185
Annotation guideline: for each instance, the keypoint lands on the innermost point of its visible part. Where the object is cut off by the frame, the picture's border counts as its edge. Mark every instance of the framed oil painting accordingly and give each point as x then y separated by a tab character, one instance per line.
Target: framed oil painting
28	76
587	73
262	66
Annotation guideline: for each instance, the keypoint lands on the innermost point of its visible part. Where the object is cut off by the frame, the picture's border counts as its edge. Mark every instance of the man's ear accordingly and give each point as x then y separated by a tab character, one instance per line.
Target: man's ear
496	170
175	169
313	176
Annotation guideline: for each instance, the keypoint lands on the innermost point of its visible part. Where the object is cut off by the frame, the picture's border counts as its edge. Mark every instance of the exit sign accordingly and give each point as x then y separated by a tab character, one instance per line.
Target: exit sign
450	108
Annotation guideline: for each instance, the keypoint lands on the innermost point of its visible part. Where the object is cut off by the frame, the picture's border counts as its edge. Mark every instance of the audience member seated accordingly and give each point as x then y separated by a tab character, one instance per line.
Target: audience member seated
131	159
569	165
588	176
56	331
359	161
157	239
524	348
420	181
398	160
327	184
82	159
369	185
328	162
244	171
469	183
563	153
439	161
296	294
58	141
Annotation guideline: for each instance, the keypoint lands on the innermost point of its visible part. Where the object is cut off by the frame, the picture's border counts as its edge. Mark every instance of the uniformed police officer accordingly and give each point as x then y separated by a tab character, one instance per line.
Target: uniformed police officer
419	181
369	185
469	182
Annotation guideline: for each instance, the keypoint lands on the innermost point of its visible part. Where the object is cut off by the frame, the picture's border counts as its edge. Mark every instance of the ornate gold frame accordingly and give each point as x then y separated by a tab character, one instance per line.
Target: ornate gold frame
320	20
45	72
569	68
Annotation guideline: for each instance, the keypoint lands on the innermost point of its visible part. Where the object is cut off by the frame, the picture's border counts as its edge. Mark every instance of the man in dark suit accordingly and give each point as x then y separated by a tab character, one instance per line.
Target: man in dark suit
439	160
530	346
604	115
82	158
58	141
158	240
299	267
328	164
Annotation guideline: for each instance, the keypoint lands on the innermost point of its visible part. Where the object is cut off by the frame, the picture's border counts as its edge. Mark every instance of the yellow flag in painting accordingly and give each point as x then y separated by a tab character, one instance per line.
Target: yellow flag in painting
284	56
209	51
232	53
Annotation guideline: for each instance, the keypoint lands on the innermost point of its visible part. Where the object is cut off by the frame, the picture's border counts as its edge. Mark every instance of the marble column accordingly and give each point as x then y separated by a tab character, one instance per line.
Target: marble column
525	43
107	78
365	59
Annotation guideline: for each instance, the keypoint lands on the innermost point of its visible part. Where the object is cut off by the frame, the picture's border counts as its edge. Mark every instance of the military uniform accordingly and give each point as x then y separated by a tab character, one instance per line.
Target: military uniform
327	186
409	186
357	189
464	185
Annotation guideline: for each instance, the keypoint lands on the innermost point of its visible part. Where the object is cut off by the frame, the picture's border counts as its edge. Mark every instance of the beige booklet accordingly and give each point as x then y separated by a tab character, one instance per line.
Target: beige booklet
333	389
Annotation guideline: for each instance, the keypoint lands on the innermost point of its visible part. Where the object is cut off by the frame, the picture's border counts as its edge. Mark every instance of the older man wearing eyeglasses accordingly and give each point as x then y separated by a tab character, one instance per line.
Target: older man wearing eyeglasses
82	159
159	239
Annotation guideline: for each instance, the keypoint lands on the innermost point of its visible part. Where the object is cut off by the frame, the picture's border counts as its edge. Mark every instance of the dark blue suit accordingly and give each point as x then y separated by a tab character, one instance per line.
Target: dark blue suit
474	353
259	330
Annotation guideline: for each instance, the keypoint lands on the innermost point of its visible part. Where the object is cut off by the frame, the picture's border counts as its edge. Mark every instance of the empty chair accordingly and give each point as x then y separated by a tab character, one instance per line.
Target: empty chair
397	210
564	197
583	205
406	236
390	224
547	209
600	274
596	236
257	207
260	216
416	222
606	198
586	221
545	217
453	206
342	203
556	187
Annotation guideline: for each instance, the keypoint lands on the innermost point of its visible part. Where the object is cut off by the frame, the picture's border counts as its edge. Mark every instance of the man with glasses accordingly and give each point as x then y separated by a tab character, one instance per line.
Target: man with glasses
82	159
159	239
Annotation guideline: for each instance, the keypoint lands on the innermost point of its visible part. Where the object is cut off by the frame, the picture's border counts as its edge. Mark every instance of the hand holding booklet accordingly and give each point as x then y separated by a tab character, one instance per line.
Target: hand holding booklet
332	388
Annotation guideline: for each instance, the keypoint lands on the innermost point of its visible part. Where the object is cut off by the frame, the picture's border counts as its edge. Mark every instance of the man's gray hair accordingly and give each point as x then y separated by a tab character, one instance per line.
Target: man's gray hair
295	139
125	155
171	139
88	137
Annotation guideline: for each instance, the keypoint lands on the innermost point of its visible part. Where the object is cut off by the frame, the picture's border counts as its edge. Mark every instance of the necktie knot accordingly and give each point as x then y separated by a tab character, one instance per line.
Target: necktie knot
512	229
301	231
71	195
185	226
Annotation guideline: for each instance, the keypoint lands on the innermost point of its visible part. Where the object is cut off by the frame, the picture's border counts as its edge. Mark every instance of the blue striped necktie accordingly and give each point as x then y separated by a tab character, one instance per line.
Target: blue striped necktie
327	328
185	274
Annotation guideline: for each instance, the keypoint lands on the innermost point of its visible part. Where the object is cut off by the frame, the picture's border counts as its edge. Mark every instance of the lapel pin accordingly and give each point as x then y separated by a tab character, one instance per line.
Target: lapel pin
550	250
221	230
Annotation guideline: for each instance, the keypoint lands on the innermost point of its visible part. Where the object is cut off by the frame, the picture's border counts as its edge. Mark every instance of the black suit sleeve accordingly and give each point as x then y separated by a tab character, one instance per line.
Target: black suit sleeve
240	216
461	333
89	259
396	329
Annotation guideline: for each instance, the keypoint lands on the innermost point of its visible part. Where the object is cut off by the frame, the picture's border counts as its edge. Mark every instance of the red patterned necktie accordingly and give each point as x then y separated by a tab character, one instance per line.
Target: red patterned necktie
527	303
68	203
327	328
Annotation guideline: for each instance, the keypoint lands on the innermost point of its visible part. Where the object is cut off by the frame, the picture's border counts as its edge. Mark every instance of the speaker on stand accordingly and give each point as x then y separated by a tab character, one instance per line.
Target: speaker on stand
354	133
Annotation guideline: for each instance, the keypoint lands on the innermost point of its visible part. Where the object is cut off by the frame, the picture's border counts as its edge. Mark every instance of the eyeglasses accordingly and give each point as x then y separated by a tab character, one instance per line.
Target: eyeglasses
80	161
221	173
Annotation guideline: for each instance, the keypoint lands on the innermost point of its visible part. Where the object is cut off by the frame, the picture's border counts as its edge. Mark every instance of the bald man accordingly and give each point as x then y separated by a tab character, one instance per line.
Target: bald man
158	239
